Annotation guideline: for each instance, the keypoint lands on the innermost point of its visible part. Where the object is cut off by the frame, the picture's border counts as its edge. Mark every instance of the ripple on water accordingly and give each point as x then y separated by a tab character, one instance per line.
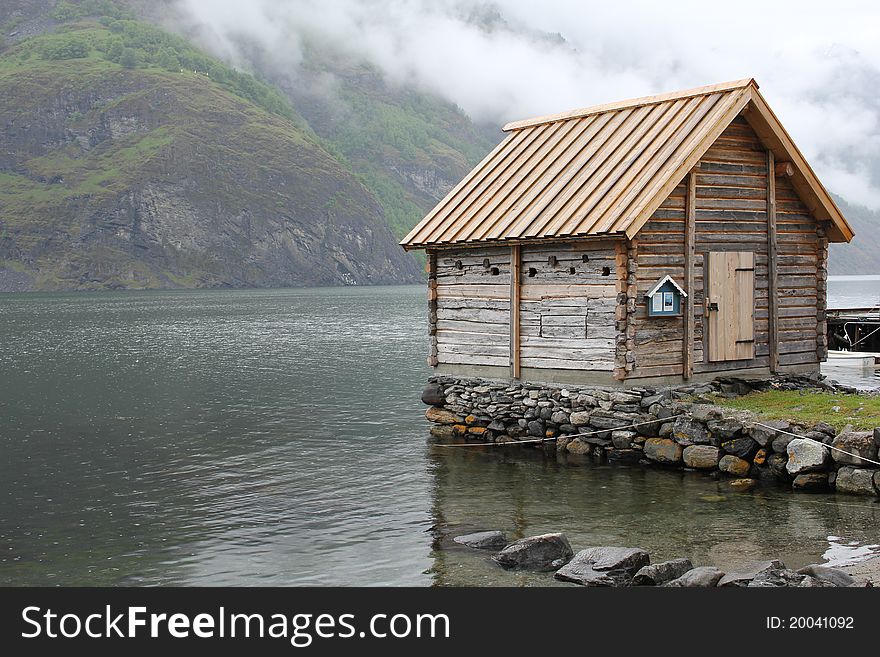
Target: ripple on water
275	437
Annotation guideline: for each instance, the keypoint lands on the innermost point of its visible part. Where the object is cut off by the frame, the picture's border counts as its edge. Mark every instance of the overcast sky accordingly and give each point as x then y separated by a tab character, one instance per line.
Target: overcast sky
818	63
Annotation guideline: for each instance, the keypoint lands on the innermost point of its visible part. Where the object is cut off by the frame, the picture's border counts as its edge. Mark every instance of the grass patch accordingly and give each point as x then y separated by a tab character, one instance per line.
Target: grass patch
808	407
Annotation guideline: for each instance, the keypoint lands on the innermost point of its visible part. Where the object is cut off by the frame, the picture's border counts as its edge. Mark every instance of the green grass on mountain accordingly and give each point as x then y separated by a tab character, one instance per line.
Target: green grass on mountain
134	160
135	45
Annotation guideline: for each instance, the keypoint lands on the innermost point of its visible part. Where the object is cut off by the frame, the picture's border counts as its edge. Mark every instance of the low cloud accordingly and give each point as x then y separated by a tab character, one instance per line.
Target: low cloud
818	64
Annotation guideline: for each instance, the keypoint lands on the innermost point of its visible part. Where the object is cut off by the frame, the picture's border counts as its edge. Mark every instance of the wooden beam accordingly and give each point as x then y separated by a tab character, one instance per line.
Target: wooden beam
772	257
515	265
689	257
784	169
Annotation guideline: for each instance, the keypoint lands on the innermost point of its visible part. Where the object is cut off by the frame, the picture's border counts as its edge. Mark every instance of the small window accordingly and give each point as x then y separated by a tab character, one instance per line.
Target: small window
551	261
606	271
494	271
532	272
458	264
486	263
571	270
585	258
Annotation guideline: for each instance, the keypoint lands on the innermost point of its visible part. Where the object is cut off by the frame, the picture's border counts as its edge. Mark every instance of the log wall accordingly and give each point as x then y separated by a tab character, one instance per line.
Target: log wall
473	306
731	214
567	305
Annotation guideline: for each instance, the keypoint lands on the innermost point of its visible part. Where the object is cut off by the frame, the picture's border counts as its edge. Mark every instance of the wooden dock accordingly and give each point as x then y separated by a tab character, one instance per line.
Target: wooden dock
854	329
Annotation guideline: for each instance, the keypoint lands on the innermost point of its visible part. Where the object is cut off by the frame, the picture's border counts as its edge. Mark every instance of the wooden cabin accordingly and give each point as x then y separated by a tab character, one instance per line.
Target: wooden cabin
674	237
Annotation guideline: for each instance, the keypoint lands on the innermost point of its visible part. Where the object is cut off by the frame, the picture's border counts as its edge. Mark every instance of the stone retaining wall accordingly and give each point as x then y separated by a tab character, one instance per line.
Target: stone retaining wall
674	428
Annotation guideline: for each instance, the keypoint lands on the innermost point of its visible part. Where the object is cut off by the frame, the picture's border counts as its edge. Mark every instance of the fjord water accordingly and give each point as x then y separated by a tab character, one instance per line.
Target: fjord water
277	437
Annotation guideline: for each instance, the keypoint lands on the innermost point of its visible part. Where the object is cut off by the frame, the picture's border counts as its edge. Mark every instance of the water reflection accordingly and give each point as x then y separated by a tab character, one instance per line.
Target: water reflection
525	491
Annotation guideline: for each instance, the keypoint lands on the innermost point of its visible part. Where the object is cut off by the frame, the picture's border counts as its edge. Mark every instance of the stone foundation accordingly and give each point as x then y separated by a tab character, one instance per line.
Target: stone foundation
668	427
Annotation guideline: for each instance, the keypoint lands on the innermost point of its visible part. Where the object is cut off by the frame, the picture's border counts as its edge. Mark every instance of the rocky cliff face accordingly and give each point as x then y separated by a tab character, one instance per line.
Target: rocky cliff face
113	177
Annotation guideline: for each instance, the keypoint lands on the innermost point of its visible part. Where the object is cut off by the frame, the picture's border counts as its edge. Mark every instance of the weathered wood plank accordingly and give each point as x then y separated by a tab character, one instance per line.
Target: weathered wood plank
689	256
514	346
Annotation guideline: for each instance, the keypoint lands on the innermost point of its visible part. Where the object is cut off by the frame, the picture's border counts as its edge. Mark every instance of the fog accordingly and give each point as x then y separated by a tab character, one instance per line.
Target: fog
818	63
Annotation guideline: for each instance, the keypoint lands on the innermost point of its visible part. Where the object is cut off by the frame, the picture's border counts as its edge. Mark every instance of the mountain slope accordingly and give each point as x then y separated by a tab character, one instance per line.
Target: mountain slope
861	256
132	173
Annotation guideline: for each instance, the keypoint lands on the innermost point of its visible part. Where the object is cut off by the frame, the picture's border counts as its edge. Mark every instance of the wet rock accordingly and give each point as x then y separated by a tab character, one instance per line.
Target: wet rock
805	456
746	575
743	447
559	417
603	566
650	400
776	577
725	429
764	435
535	428
824	427
704	412
622	439
660	573
663	450
780	444
687	431
601	421
812	582
877	437
760	457
624	397
856	481
491	540
647	428
856	446
827	574
742	485
440	415
808	481
734	465
579	447
701	457
625	455
443	431
776	463
580	419
535	553
700	577
433	395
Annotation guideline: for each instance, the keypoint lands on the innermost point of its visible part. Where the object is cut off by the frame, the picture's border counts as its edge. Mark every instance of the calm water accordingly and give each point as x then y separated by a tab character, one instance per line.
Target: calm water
276	437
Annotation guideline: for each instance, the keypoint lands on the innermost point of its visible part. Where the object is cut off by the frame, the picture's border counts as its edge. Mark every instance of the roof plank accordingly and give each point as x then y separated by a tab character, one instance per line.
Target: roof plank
604	170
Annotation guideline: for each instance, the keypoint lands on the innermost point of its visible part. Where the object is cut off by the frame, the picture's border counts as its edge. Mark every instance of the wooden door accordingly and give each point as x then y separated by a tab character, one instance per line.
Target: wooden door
730	305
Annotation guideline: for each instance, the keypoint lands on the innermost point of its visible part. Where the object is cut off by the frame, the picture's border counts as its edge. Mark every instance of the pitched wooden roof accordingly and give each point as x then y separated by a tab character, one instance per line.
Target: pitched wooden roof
604	170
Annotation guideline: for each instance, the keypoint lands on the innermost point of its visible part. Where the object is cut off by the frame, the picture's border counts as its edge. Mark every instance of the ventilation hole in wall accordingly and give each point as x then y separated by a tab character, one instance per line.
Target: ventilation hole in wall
486	263
571	270
532	272
606	271
458	264
494	271
585	258
551	261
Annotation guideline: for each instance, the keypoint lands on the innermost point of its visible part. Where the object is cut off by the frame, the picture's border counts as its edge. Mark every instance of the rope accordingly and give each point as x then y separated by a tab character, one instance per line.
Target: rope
568	435
864	337
836	449
639	424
